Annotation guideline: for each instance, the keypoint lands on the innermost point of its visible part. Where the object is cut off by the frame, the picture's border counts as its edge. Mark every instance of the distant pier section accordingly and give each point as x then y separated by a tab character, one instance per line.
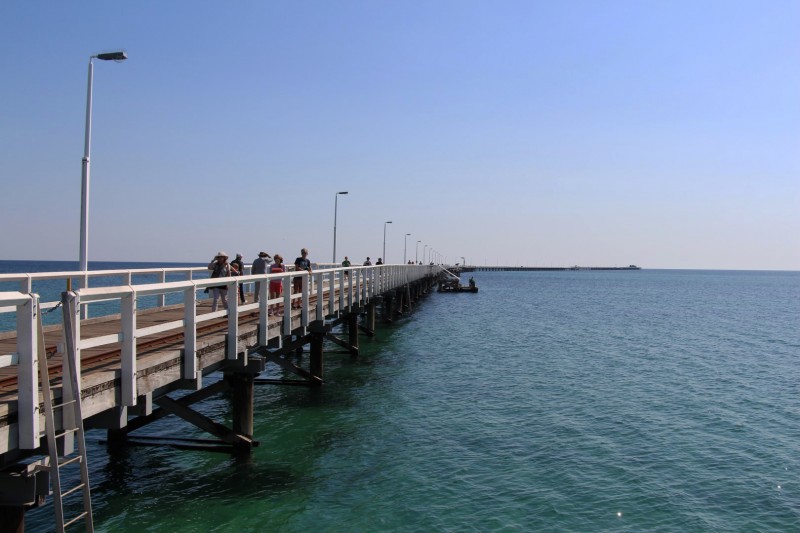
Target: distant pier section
468	268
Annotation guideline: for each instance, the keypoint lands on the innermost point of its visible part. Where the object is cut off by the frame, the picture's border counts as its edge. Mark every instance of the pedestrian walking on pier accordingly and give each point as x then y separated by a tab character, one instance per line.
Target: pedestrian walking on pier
380	262
260	267
239	266
346	263
367	262
301	263
220	268
276	285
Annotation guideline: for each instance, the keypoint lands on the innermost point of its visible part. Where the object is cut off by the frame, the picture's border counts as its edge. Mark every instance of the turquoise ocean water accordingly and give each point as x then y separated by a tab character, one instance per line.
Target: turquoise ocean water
654	400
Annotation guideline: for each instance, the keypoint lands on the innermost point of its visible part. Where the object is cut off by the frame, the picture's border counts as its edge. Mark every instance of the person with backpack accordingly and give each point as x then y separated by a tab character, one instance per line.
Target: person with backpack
238	265
220	268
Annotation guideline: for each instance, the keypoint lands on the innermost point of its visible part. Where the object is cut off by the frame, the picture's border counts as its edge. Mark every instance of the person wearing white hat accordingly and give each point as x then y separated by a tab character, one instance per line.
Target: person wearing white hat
260	267
220	268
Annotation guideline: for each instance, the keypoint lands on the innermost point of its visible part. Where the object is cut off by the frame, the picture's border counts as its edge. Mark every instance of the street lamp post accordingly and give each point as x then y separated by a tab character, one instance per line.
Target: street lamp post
405	241
425	247
87	146
416	253
384	241
335	209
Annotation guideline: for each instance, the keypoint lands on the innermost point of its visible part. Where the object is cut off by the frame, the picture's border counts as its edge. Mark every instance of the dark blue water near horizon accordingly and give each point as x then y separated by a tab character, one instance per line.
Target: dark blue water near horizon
654	400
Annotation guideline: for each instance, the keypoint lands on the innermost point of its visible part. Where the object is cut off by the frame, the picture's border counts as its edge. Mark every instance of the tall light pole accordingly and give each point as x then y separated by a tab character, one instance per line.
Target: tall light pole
335	209
405	241
87	146
425	247
384	240
416	253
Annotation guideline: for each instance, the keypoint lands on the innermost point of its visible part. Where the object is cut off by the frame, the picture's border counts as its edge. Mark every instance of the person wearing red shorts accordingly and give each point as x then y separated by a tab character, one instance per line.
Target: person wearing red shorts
276	285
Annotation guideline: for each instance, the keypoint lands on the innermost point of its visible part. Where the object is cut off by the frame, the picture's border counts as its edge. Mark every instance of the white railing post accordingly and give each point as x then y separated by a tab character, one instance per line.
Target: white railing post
263	312
287	305
72	307
128	319
162	297
332	291
233	319
340	296
28	373
26	285
84	310
304	306
356	295
320	296
190	333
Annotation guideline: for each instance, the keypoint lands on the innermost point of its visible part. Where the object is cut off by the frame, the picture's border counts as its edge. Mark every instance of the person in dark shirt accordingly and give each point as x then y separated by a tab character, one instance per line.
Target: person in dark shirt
239	265
301	263
220	268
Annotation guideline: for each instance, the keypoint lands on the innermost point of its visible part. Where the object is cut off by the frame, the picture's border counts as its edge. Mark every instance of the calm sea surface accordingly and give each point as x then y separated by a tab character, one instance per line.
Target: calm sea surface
553	401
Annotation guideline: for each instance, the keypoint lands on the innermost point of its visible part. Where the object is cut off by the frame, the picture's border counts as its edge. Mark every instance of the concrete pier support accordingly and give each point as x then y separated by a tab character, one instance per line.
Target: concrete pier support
352	332
242	388
317	356
388	307
371	312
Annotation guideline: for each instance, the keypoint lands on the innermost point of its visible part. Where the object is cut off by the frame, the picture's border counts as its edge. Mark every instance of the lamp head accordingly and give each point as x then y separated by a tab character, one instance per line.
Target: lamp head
113	56
343	192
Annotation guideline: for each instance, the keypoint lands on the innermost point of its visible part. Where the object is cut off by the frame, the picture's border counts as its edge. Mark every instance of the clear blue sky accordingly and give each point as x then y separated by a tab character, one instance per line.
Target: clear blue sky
665	134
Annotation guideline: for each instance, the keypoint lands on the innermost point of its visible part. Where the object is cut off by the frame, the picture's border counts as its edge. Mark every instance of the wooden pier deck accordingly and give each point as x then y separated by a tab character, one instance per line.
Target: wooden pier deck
129	363
159	357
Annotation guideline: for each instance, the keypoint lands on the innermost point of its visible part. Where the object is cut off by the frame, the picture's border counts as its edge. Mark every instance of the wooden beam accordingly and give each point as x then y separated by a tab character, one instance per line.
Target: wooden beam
344	344
187	400
205	423
293	368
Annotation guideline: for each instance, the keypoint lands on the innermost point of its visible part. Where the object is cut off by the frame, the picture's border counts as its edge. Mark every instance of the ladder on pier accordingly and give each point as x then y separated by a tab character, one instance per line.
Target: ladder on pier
71	435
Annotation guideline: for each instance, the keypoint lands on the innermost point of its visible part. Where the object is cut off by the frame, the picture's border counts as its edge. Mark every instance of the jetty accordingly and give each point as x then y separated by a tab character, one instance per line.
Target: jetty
122	371
468	268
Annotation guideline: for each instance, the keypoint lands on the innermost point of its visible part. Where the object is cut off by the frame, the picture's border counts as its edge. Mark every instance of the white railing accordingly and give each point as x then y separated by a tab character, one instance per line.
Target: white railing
356	286
81	279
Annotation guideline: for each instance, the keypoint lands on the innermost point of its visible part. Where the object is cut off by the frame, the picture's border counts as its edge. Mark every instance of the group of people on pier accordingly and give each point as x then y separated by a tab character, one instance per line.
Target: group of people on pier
221	268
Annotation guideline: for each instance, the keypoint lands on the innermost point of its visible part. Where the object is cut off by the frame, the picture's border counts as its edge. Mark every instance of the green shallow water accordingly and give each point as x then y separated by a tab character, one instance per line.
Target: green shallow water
553	401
